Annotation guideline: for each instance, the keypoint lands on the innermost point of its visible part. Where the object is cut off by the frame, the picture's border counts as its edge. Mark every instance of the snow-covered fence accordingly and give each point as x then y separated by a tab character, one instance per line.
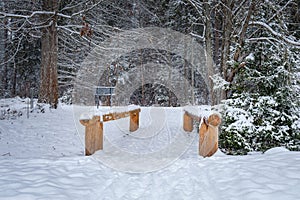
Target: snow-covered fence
208	130
94	126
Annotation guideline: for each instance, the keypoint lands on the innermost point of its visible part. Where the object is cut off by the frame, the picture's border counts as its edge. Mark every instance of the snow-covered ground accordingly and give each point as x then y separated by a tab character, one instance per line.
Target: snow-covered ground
42	157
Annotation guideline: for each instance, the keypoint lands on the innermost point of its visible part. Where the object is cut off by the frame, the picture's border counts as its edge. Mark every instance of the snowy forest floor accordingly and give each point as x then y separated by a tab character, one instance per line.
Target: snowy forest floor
42	157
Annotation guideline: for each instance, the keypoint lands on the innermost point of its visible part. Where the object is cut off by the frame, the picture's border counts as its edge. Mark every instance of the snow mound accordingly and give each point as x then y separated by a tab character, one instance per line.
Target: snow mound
276	150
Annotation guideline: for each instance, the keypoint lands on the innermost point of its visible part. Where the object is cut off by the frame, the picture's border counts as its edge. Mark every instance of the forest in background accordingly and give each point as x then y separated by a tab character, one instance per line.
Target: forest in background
254	45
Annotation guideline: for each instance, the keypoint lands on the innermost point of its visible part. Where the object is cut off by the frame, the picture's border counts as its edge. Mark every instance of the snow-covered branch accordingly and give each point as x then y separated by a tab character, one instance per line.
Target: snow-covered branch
85	10
197	5
235	12
276	34
4	15
197	36
34	13
69	30
269	39
262	38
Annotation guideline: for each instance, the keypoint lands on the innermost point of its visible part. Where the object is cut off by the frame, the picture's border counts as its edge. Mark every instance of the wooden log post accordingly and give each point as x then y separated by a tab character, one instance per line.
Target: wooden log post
93	134
208	135
187	122
134	120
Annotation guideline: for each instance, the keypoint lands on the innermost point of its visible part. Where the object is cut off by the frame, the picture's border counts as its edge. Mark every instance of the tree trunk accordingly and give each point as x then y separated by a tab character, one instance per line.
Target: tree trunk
226	42
14	80
244	28
49	81
4	70
209	51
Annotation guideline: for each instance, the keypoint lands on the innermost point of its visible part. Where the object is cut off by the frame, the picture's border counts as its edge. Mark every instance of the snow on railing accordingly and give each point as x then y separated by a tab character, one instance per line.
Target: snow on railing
199	111
105	110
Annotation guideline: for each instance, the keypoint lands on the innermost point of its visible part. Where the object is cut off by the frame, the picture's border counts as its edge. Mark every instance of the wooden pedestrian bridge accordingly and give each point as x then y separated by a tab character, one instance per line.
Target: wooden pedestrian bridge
208	126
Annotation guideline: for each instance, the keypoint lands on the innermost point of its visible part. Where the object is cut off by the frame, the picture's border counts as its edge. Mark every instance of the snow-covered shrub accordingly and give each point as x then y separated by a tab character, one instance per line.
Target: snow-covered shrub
10	113
257	123
13	108
263	109
67	96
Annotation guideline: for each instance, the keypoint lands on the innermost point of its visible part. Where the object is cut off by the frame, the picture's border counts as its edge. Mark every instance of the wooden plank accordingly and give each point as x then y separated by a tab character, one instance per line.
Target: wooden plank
115	116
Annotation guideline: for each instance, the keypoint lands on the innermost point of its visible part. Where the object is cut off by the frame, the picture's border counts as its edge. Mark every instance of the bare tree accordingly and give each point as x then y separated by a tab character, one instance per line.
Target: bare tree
49	82
43	20
228	25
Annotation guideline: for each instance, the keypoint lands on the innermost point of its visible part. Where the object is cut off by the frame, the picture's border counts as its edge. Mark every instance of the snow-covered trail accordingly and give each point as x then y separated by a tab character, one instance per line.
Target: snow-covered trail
42	158
273	175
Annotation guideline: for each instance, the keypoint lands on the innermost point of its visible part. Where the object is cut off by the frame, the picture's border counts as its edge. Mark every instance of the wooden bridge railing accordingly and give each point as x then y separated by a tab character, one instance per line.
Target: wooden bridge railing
94	128
208	131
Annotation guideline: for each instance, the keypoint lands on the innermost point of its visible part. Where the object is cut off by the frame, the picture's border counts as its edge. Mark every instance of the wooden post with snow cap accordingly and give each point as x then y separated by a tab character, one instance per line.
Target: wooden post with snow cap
208	130
189	117
187	122
208	135
134	120
93	134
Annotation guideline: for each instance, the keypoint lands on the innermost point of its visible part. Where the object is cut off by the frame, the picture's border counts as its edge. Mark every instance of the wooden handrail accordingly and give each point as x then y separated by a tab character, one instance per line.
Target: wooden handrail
94	128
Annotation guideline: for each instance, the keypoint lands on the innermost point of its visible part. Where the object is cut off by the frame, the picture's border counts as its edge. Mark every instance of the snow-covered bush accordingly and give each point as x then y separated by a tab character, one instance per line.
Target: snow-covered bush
66	96
13	108
258	123
263	109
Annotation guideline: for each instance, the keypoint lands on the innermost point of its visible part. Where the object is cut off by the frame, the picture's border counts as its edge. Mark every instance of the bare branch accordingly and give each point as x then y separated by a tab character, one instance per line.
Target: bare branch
239	8
4	14
243	30
197	36
86	10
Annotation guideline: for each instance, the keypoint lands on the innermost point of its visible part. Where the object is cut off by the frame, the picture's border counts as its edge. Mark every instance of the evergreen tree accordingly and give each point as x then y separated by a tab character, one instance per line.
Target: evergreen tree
263	109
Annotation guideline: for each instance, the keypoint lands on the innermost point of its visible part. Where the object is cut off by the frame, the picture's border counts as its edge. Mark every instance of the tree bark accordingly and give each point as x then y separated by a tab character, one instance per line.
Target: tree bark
244	28
209	51
226	42
49	50
4	71
14	80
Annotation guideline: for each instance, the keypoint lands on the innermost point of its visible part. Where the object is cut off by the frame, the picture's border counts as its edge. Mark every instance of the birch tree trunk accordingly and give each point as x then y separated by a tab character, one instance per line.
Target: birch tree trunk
49	50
